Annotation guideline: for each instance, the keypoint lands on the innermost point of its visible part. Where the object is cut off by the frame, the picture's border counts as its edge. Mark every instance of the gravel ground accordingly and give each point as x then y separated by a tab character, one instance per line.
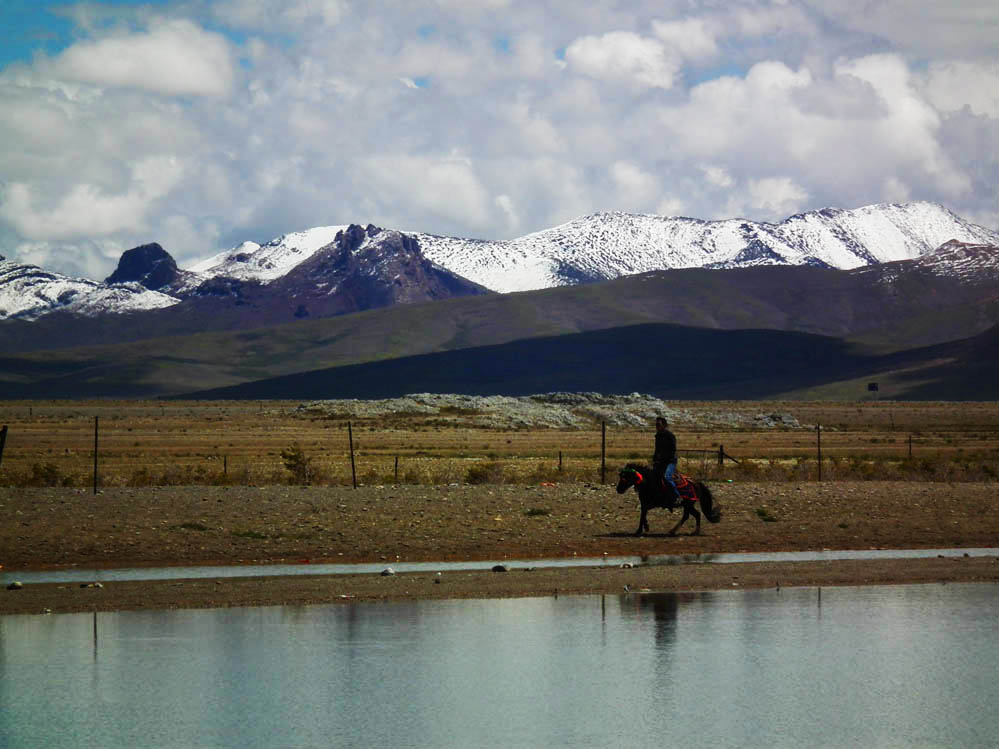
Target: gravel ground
132	527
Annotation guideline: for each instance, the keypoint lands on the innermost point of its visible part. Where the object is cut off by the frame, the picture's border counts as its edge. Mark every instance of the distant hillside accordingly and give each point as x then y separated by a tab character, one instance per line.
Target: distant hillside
667	361
943	295
894	306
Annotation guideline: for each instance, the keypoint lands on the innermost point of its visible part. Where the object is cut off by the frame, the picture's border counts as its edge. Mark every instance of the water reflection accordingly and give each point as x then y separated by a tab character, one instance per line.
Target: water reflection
875	666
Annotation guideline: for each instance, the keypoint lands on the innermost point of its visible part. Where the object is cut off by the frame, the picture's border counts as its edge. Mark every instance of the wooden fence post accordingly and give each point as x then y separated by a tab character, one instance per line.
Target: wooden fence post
721	456
96	421
603	452
397	469
3	441
818	438
353	470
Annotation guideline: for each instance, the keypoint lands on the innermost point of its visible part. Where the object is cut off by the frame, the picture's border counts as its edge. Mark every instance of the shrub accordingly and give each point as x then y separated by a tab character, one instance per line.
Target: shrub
485	473
44	475
297	463
763	514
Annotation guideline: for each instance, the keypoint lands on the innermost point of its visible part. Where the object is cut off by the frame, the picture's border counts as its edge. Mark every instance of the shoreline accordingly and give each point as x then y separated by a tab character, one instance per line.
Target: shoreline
302	590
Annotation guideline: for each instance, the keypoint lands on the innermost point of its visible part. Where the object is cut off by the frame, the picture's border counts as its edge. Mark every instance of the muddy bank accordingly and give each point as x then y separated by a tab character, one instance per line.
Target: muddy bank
129	527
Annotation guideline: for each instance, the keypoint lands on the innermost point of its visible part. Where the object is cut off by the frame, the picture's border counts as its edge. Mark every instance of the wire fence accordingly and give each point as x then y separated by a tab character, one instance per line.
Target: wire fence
123	453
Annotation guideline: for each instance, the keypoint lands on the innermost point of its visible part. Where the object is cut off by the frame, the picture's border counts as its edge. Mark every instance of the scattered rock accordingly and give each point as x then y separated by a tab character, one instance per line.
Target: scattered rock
500	568
16	585
388	571
546	411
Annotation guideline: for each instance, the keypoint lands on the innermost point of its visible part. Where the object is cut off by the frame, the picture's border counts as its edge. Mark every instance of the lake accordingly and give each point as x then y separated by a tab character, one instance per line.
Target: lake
866	666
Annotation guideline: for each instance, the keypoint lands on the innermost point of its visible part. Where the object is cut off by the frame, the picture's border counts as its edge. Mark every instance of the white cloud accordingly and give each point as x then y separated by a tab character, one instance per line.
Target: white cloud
175	58
756	20
487	119
691	38
953	85
86	210
717	176
81	259
925	28
445	187
280	15
775	197
895	191
672	207
506	205
635	190
909	129
532	130
835	136
623	57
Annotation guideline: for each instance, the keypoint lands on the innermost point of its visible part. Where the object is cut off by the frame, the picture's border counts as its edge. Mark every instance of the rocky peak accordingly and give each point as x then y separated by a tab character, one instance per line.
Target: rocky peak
149	265
353	236
368	267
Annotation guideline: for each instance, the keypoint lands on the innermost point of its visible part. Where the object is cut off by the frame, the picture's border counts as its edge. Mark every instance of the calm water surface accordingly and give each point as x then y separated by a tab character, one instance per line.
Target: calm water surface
872	667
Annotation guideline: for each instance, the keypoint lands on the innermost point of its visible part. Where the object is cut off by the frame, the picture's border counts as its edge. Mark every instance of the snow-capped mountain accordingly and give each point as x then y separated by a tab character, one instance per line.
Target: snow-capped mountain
27	292
265	263
609	245
598	247
963	261
365	268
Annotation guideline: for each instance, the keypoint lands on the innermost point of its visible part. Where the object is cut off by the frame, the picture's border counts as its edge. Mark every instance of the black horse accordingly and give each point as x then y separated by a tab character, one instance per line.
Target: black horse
651	493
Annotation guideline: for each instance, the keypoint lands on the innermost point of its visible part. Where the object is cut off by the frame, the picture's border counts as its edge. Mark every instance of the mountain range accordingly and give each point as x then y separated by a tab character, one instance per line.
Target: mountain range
877	281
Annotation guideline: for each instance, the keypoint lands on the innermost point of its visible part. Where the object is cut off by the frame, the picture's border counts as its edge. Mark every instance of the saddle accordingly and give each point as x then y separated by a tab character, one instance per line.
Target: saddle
684	486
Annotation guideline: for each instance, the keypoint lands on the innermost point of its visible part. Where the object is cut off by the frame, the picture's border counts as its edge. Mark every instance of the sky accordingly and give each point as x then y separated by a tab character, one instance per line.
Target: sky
199	124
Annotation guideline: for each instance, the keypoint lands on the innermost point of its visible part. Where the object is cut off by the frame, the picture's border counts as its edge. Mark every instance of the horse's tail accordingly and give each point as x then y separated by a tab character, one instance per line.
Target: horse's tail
712	509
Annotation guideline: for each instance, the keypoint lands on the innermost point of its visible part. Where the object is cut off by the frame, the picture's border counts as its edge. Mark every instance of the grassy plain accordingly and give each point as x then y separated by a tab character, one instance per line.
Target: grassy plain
150	443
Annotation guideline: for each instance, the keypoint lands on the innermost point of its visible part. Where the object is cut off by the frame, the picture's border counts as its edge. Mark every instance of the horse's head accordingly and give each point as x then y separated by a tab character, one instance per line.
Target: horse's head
628	477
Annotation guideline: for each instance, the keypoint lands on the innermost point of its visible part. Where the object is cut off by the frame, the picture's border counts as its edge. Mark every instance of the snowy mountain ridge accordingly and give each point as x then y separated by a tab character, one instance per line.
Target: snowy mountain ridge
603	246
265	263
27	292
596	247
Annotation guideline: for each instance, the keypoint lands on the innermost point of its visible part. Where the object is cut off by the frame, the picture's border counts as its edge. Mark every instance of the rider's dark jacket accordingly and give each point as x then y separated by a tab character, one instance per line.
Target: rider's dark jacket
665	449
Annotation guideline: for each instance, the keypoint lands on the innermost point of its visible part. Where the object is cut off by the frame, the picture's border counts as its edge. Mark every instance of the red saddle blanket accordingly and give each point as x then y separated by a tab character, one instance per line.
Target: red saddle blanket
685	487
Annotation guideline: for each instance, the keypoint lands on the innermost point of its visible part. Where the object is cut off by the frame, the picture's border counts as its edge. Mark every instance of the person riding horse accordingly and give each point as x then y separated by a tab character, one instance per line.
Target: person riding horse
664	458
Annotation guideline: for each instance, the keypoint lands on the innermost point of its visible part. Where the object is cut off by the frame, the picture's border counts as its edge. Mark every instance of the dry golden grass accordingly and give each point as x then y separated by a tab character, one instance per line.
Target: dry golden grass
260	443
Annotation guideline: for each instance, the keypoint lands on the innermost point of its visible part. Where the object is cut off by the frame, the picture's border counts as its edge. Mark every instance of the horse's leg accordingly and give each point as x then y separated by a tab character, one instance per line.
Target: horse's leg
686	514
643	522
697	517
